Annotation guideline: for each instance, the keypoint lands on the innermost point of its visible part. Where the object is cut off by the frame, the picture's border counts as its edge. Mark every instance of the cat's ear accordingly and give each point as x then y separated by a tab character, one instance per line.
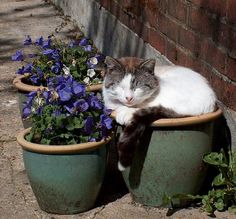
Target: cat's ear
112	63
148	64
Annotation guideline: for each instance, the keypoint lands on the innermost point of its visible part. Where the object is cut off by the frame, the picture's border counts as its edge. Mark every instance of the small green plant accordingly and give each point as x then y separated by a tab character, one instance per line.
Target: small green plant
222	195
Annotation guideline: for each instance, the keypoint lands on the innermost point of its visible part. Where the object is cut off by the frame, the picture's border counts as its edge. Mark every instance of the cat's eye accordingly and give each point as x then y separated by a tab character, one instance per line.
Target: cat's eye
147	85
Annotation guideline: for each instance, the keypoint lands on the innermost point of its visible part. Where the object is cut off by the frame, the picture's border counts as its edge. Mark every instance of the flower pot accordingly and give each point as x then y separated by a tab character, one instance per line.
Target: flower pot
23	89
65	179
169	160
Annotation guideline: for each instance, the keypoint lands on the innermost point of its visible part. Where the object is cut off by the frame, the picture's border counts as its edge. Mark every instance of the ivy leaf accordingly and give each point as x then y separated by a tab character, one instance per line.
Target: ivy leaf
216	159
166	200
232	209
219	180
207	206
219	205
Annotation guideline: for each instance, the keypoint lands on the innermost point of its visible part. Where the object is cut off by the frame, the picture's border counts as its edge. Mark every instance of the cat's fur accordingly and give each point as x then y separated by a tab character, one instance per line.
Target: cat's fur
141	92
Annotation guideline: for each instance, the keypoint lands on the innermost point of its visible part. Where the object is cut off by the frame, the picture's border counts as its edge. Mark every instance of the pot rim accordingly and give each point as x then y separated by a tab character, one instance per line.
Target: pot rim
185	121
57	149
17	82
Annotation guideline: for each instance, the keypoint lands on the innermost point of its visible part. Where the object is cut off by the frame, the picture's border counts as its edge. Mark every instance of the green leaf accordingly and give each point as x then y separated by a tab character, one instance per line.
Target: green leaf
45	141
215	158
219	205
207	206
219	180
78	123
70	127
65	135
29	137
219	193
232	209
166	200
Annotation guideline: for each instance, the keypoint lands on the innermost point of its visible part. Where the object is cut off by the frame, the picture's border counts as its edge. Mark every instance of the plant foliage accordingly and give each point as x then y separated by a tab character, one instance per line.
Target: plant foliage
64	113
222	195
52	57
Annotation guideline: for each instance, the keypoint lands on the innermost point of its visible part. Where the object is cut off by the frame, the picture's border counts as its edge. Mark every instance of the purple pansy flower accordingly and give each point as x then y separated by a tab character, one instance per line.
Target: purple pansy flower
48	52
106	121
56	68
26	111
30	96
47	43
27	41
32	55
88	125
88	48
64	93
107	111
78	89
39	41
81	105
20	71
18	56
83	42
28	68
39	72
35	78
94	102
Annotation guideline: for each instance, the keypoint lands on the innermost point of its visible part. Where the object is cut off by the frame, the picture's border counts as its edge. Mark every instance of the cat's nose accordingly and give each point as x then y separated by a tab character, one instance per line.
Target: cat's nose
129	98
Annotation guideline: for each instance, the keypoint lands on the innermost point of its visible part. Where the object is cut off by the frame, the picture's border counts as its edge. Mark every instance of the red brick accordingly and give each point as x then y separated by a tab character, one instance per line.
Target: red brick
221	35
179	57
156	40
232	44
231	15
150	17
160	5
178	10
168	27
189	40
225	91
210	53
231	68
134	7
201	22
214	6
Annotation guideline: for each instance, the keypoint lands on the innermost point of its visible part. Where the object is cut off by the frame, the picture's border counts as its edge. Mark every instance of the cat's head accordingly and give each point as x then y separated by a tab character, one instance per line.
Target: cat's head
130	80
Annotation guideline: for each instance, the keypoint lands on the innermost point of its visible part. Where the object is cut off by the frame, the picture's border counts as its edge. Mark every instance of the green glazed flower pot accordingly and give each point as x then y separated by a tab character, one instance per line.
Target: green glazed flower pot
169	160
65	179
24	89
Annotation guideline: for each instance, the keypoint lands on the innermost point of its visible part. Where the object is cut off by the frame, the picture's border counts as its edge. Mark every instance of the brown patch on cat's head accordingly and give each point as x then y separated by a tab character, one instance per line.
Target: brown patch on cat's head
129	64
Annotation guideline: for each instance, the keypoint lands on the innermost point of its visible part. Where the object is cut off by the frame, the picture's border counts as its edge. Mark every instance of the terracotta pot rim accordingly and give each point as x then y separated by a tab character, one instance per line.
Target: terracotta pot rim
57	149
185	121
17	82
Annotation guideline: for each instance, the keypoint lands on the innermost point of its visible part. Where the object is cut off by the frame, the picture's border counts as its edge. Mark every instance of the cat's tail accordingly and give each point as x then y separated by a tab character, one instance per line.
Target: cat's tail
131	136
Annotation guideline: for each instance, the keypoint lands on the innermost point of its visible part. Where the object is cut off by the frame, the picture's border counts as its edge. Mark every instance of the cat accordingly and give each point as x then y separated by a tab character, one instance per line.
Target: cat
141	92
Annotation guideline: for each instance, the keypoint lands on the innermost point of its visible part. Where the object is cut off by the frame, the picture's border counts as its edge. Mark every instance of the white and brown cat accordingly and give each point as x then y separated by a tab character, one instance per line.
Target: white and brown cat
141	92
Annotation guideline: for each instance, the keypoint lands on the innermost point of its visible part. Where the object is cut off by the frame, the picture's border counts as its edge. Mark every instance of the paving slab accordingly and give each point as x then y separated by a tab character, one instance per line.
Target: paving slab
19	18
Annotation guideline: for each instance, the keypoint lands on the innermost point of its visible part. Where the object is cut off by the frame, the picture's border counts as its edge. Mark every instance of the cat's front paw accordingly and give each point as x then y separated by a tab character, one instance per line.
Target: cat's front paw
124	116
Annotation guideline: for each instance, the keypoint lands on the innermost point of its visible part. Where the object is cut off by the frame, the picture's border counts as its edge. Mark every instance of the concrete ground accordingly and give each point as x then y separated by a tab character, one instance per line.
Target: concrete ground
19	18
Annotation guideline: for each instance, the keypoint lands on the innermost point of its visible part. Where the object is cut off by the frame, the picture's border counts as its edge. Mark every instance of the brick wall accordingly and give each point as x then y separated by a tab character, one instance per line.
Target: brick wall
200	34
